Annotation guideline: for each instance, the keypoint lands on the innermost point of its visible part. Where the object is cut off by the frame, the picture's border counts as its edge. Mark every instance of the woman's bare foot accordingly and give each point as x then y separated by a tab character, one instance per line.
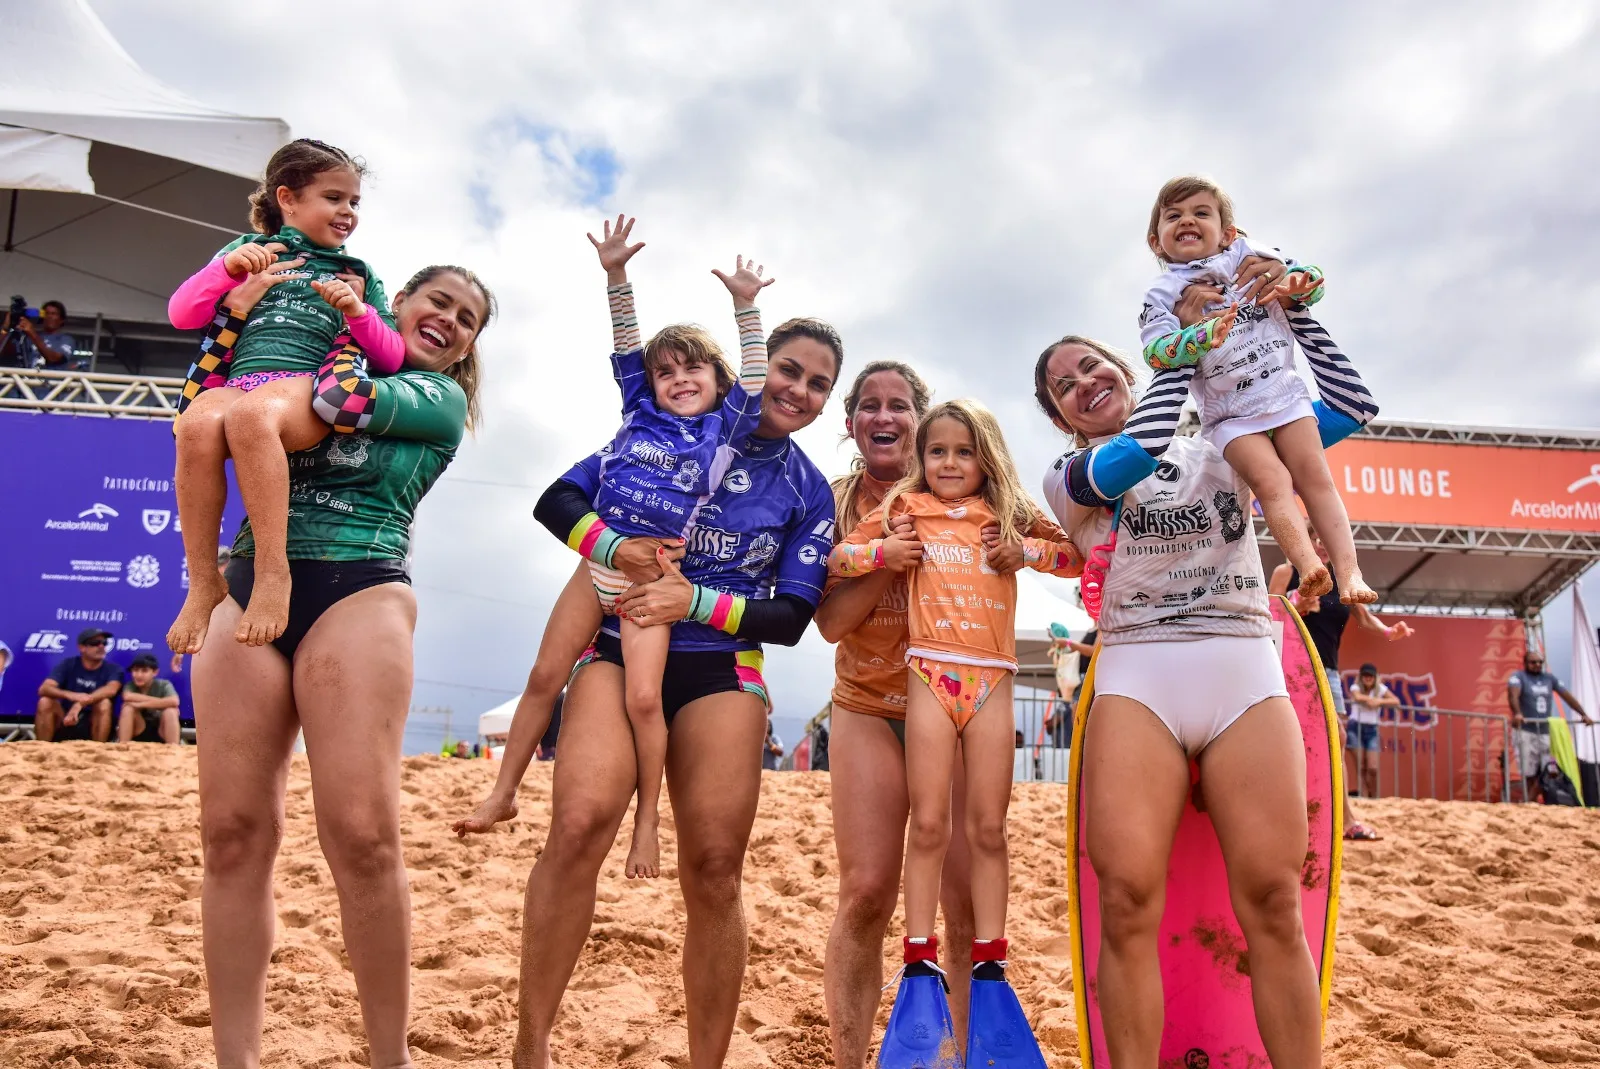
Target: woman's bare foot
1355	591
491	811
188	631
644	853
267	615
1316	582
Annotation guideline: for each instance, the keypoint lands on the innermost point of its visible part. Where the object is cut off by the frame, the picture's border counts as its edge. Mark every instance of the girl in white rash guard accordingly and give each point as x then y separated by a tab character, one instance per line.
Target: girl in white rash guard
1187	669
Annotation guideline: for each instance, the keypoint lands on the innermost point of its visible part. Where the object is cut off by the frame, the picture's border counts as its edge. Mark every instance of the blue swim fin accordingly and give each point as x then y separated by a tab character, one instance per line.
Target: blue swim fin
998	1033
921	1033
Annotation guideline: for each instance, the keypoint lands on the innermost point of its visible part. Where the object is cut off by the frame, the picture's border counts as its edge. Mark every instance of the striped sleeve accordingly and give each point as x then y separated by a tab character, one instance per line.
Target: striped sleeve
1347	405
624	321
591	538
752	351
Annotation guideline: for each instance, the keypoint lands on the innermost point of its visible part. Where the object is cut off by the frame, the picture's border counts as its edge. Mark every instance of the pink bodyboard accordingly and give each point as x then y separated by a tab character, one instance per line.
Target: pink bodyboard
1210	1021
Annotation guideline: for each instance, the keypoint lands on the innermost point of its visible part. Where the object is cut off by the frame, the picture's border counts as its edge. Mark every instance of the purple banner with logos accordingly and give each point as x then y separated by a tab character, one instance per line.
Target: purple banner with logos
89	537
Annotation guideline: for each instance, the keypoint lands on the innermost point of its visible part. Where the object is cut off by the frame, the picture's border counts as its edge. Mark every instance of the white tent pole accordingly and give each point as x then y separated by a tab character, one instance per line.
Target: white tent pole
142	208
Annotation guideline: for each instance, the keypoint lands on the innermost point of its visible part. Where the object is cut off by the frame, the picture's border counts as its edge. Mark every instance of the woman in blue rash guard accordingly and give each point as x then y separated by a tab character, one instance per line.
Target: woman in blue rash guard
753	572
1187	670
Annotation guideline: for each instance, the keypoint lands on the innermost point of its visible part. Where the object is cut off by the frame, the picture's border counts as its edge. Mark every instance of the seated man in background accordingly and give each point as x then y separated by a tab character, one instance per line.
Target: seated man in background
75	699
149	705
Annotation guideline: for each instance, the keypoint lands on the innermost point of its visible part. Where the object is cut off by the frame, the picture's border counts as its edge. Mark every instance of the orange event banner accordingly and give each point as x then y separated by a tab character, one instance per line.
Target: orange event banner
1457	485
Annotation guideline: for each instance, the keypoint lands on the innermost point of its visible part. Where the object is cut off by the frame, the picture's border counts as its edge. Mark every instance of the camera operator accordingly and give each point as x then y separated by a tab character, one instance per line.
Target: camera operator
45	344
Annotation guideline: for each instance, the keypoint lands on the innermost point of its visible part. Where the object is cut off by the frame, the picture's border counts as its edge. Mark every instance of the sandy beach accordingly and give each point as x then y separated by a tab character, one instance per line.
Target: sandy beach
1469	937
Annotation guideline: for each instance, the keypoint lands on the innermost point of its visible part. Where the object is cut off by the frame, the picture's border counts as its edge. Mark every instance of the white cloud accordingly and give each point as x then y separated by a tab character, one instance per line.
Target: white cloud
950	184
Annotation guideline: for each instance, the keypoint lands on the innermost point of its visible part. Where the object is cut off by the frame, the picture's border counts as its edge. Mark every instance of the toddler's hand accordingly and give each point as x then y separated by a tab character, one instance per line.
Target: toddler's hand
614	250
744	283
244	296
338	292
250	257
355	282
901	551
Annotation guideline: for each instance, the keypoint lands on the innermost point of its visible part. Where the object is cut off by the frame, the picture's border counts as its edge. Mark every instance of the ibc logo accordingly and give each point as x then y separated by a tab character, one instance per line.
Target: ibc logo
47	642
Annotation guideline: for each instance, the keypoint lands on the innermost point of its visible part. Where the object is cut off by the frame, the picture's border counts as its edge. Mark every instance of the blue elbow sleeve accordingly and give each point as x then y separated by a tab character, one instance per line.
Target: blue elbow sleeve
1333	425
1118	466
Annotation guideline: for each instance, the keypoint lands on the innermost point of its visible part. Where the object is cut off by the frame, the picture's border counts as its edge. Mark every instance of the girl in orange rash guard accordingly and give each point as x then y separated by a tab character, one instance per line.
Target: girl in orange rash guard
961	651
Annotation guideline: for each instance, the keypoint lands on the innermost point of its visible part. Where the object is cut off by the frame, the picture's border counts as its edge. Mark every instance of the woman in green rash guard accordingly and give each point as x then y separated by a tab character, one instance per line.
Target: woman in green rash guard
341	673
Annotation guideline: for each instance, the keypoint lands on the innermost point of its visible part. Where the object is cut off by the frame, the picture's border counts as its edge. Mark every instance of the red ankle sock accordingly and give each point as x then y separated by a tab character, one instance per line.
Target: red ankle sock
988	950
915	952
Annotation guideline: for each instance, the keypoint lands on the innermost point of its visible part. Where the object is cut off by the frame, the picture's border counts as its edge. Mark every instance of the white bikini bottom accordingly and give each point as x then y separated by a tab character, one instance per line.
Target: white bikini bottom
1195	688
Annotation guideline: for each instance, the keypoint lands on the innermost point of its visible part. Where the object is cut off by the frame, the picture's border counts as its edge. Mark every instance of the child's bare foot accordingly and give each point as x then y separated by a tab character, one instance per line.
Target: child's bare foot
1316	582
1355	591
188	631
267	614
644	853
491	811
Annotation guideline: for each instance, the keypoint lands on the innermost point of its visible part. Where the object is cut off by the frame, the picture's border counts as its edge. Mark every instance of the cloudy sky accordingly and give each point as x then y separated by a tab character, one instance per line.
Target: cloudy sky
950	184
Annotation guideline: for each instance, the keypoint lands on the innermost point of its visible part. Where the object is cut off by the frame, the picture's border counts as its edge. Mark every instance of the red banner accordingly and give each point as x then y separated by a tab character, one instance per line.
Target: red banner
1451	665
1387	481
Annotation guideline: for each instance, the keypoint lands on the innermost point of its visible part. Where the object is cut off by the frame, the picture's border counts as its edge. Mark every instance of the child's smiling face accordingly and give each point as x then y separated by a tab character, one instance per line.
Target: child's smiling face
1191	229
950	460
327	210
684	388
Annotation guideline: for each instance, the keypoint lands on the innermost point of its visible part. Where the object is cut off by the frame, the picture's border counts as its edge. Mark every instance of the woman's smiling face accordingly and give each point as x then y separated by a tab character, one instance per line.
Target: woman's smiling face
884	424
1091	394
440	321
800	376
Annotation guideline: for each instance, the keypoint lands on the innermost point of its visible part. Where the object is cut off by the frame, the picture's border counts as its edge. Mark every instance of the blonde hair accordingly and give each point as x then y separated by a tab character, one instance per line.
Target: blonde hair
1181	189
847	488
1002	489
691	345
1047	398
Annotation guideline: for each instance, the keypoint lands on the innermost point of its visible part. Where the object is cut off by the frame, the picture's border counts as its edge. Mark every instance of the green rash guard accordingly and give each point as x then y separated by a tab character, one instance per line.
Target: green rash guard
291	328
353	496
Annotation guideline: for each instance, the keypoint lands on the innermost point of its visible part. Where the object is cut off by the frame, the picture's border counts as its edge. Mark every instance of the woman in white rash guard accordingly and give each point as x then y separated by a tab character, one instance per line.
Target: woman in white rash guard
1187	669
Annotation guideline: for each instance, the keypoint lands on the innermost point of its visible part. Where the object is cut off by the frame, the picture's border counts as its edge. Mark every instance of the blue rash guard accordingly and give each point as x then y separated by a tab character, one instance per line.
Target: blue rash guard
766	530
654	485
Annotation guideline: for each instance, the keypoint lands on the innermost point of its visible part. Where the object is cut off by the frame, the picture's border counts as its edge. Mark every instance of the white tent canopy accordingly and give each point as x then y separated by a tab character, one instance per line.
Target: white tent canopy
497	721
121	186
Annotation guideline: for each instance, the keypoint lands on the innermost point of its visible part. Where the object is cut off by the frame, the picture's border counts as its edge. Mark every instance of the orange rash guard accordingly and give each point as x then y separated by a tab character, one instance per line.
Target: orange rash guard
869	664
959	609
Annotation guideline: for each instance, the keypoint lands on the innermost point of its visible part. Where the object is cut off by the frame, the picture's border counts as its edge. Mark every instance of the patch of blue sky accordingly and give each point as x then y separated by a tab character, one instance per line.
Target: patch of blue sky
591	169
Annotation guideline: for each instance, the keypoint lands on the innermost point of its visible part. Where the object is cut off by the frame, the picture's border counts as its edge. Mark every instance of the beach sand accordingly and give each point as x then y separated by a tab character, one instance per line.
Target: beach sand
1469	937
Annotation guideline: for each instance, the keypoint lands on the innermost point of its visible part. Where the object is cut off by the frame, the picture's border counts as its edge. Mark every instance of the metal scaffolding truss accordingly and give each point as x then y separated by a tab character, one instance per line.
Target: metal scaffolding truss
1463	570
85	393
1458	434
1476	540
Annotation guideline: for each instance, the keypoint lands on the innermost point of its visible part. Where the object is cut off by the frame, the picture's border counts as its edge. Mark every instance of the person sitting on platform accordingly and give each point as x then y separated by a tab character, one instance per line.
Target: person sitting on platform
75	699
149	705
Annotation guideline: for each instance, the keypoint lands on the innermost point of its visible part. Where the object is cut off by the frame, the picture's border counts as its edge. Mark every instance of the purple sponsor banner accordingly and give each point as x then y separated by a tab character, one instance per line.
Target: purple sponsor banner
89	537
